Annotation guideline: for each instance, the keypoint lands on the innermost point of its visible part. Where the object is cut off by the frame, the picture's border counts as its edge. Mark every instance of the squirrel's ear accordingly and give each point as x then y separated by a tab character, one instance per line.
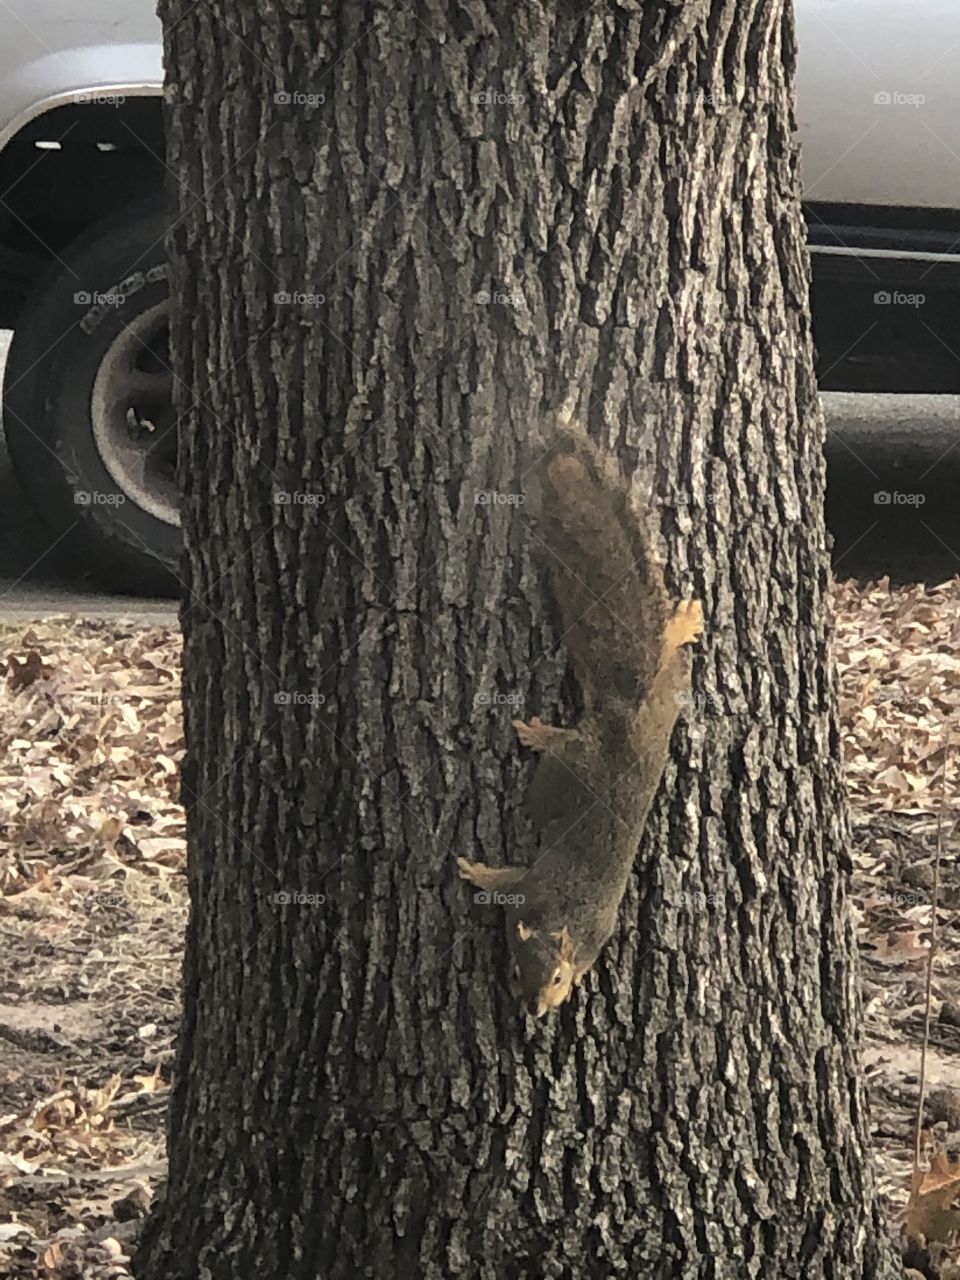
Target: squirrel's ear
523	933
566	944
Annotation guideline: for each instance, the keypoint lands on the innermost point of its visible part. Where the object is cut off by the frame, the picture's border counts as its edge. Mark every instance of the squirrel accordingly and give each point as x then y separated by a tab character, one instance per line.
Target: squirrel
594	784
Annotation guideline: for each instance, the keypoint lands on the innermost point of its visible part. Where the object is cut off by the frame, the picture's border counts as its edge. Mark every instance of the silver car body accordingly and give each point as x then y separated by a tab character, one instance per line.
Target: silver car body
59	51
878	90
878	100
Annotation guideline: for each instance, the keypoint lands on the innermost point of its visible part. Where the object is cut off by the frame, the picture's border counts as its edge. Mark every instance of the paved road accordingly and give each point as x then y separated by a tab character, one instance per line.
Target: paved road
31	585
893	495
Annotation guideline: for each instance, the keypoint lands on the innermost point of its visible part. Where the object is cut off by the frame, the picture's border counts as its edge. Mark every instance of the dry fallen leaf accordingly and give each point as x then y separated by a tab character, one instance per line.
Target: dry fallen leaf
23	671
110	830
932	1212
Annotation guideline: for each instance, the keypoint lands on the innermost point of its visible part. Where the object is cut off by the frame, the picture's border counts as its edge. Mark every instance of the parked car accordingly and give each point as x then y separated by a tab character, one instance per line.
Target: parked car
83	277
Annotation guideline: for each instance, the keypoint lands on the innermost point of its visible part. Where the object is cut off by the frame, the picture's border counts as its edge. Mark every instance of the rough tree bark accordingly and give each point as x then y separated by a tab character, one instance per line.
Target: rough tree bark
478	212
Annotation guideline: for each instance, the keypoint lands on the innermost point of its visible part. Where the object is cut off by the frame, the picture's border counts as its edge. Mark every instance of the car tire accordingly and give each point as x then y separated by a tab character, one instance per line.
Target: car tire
87	404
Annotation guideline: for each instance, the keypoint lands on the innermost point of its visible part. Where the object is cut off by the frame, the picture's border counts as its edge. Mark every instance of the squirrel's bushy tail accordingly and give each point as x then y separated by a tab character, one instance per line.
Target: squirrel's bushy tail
607	583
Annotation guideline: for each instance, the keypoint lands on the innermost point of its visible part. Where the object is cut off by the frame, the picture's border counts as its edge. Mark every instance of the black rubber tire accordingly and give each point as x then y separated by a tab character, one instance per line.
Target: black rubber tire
54	356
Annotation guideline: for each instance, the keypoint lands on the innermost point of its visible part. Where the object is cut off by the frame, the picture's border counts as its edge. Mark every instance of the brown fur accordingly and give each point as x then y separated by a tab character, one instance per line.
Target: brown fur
594	784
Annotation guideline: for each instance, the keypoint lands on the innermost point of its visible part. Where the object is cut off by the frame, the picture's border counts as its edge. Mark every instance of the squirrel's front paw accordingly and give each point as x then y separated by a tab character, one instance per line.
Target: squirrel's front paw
530	734
685	625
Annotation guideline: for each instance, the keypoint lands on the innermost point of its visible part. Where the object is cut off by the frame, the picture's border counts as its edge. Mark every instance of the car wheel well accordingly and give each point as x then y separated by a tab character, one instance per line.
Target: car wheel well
66	170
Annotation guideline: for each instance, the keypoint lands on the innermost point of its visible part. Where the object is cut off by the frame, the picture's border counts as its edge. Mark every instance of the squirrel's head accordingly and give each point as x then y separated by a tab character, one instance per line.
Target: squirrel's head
542	967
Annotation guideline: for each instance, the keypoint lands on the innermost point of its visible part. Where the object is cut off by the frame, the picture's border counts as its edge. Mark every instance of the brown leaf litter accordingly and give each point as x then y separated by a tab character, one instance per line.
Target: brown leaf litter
93	909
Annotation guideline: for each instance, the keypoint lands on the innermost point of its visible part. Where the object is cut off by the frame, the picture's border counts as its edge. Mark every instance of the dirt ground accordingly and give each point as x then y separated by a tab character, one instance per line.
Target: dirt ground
93	909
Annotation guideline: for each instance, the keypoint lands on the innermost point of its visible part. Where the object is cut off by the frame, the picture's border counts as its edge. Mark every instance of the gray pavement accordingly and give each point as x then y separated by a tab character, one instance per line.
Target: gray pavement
893	493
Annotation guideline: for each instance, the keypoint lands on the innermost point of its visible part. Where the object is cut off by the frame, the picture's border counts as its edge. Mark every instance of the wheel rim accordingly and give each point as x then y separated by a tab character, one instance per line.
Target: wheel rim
133	419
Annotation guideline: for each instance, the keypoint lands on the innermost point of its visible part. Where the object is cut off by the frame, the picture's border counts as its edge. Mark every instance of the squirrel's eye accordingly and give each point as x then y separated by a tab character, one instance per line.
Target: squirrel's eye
558	977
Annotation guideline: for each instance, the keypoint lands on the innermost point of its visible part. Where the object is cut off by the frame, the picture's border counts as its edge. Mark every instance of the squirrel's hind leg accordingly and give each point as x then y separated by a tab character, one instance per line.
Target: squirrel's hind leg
491	878
542	737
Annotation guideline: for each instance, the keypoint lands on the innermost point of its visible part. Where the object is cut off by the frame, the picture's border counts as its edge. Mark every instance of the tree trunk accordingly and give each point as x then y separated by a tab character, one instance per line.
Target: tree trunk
405	232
